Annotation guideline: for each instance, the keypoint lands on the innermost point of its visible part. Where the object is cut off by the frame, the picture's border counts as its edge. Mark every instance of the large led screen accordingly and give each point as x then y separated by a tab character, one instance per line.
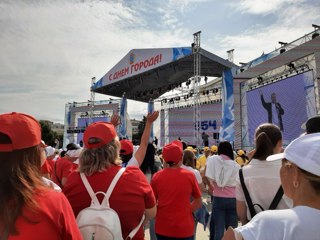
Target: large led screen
286	103
181	123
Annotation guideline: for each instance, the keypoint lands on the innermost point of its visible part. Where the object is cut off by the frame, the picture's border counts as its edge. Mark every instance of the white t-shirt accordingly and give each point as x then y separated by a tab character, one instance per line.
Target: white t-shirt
298	223
195	172
262	180
222	171
51	184
133	162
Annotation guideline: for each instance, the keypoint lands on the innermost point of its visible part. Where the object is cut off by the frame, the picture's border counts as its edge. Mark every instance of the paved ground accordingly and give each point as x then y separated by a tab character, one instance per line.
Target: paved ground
201	234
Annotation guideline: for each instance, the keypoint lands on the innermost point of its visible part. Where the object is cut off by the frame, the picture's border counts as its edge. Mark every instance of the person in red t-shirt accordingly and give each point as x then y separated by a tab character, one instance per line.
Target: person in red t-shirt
63	167
173	188
46	168
132	196
29	208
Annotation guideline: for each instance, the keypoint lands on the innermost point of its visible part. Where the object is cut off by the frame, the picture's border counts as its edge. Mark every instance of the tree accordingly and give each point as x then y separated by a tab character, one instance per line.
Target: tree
137	137
49	136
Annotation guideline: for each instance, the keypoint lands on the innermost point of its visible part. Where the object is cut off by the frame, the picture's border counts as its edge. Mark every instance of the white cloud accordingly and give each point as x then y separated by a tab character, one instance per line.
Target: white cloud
50	50
263	6
56	47
293	22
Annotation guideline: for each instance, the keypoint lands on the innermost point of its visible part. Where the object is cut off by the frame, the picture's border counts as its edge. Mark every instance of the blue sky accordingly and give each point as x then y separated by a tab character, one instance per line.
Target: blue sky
50	50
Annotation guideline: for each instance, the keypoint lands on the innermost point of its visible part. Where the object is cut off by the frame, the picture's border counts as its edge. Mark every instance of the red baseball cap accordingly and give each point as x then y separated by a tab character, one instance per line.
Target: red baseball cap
126	147
104	131
23	130
172	152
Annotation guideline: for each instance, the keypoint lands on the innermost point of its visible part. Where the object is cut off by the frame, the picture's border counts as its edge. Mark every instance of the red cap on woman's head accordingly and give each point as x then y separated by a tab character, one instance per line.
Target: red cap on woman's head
172	152
103	131
126	147
22	130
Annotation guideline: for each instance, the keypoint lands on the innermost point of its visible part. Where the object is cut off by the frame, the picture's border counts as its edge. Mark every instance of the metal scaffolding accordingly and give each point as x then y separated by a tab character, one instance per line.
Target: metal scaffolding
196	83
92	99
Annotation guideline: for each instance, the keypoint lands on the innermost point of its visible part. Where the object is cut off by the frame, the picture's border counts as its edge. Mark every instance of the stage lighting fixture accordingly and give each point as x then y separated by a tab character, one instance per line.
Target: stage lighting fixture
291	65
282	43
315	35
260	80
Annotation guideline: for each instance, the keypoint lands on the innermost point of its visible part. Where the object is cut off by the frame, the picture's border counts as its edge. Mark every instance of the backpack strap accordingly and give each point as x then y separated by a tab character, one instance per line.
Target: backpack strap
276	199
247	195
136	229
89	189
105	201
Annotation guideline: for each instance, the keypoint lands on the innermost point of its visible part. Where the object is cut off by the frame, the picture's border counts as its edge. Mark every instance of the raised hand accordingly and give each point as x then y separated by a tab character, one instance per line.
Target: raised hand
151	117
115	120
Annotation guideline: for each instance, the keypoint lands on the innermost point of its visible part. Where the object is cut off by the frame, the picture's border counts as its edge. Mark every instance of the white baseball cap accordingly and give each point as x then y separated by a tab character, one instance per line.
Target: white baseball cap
304	152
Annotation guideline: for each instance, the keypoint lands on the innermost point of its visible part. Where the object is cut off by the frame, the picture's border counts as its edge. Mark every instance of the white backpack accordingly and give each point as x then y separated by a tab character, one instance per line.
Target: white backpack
100	221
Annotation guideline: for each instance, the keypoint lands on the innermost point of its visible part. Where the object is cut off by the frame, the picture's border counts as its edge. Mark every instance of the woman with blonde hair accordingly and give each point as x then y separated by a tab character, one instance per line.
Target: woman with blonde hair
29	208
132	196
300	178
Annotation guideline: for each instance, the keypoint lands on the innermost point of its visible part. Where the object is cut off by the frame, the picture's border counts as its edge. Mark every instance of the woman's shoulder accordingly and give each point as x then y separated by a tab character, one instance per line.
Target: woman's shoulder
50	198
133	171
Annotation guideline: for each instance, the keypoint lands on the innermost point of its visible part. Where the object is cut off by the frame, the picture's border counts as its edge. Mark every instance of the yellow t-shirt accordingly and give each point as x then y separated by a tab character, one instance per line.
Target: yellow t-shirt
201	162
241	161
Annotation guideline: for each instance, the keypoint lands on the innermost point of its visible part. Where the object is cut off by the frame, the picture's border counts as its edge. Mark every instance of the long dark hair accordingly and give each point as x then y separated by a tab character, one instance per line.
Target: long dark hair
148	161
225	148
266	137
20	180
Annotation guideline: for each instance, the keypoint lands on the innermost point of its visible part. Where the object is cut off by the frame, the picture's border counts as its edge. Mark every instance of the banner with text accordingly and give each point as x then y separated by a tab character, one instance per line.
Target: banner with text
141	60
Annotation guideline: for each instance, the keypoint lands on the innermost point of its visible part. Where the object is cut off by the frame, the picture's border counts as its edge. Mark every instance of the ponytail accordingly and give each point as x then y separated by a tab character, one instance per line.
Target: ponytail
267	137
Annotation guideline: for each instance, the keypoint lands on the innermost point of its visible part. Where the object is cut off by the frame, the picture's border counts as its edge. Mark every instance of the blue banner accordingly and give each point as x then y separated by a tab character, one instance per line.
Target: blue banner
150	110
227	124
123	118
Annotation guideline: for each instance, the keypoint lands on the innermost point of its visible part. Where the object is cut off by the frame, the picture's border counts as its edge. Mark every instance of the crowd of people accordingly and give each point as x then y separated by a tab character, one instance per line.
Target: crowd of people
268	193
